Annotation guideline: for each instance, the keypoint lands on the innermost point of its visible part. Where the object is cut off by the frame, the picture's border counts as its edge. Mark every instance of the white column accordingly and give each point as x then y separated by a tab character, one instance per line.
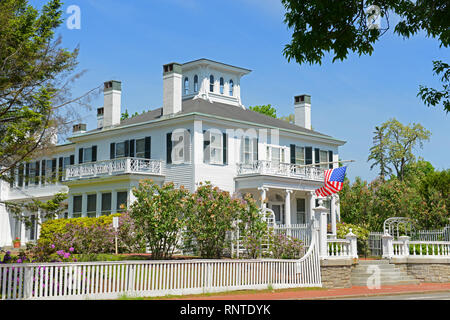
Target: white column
353	244
338	208
38	224
388	249
263	197
70	206
287	208
333	215
113	201
321	216
98	206
23	232
84	205
312	204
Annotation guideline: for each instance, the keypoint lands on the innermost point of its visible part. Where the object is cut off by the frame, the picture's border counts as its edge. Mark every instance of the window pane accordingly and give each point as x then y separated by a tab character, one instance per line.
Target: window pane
301	216
106	202
120	150
300	155
87	155
77	201
231	87
140	148
211	83
195	83
186	85
323	158
121	199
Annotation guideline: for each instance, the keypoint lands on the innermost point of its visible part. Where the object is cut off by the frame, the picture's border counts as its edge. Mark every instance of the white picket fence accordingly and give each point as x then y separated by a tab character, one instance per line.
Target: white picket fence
111	280
297	231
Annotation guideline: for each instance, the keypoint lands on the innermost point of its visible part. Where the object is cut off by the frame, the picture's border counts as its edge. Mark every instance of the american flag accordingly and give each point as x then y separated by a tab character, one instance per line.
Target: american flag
334	179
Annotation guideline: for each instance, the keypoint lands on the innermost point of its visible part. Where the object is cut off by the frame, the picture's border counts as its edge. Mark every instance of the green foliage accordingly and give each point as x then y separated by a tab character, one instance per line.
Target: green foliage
268	110
34	80
433	97
394	144
362	234
340	27
159	214
423	195
282	246
290	118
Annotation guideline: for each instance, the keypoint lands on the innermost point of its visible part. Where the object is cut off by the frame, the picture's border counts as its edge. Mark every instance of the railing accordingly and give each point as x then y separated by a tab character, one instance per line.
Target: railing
340	248
114	167
111	280
297	231
405	248
265	167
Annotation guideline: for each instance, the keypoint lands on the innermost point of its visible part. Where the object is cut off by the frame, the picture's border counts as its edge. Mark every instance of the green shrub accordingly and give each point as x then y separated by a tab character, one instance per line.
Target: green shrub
361	233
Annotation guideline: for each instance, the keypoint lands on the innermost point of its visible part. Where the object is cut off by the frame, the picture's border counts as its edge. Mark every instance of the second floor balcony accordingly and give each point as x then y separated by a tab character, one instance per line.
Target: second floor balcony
273	168
114	167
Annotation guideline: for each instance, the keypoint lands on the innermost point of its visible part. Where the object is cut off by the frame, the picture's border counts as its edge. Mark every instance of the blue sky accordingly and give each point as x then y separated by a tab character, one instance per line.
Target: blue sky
131	40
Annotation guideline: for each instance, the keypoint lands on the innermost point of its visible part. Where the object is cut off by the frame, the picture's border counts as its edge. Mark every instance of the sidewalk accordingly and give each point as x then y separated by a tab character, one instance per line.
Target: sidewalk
308	294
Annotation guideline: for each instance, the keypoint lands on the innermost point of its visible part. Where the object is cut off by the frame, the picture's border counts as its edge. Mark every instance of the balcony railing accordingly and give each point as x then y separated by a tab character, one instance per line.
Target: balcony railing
265	167
114	167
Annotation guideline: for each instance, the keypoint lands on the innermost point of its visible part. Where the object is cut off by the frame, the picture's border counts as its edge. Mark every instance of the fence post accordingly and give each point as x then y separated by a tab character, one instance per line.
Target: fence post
405	246
321	216
353	244
388	249
27	282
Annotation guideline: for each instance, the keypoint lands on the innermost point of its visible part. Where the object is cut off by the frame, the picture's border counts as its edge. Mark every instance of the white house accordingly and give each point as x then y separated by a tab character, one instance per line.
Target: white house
201	133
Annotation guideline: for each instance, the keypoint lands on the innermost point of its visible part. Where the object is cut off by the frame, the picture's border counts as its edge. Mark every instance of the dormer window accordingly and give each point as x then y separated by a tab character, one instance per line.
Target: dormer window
186	85
211	83
231	88
221	85
195	83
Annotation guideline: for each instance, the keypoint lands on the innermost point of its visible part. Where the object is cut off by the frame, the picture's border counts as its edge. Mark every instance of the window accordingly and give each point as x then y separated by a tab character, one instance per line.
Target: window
106	204
231	93
122	198
195	83
32	175
87	155
275	154
221	85
249	150
213	147
211	83
140	148
120	150
92	205
77	206
323	157
186	85
301	212
299	155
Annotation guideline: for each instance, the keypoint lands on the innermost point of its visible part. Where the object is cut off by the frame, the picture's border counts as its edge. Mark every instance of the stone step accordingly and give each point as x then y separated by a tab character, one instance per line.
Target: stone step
379	266
369	272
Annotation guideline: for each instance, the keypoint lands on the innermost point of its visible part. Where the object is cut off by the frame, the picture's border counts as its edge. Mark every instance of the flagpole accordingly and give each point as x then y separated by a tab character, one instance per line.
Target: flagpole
318	164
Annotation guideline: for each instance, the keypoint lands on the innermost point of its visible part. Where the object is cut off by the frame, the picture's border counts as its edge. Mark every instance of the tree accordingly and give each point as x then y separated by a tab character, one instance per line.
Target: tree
396	144
377	153
433	97
290	118
320	26
160	213
35	79
268	110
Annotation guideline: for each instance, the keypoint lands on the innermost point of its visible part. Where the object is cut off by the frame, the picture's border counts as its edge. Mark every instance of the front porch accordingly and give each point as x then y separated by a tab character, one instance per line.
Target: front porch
291	200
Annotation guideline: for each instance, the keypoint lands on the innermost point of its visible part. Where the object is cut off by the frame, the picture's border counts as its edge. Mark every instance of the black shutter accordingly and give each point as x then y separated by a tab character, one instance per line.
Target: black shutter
27	173
43	171
292	153
112	150
54	168
169	148
225	148
60	170
72	159
132	143
94	153
148	147
127	148
330	159
80	155
37	172
308	155
317	156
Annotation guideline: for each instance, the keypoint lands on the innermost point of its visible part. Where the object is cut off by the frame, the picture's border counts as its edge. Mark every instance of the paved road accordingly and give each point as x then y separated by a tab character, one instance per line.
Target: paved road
408	296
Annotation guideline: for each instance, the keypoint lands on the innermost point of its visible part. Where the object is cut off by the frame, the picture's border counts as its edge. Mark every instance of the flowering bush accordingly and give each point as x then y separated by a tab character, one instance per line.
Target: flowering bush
362	234
285	247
